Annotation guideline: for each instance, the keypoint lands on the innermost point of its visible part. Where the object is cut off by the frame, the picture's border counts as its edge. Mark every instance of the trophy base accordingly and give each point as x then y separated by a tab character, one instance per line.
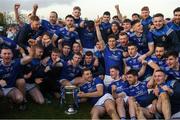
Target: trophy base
70	111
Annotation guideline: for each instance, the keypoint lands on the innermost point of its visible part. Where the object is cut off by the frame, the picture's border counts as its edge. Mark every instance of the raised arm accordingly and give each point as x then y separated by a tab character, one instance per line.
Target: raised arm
98	32
16	8
118	12
34	11
27	59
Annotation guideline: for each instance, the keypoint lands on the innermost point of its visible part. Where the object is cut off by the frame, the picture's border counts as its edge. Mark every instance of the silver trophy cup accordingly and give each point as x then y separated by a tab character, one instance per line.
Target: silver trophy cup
70	99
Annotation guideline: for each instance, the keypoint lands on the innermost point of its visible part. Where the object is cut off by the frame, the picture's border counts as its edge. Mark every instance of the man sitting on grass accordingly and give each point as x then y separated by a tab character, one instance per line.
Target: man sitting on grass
93	90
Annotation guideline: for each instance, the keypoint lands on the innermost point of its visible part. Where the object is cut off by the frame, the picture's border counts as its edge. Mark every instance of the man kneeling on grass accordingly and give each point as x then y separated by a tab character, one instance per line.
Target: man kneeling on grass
93	90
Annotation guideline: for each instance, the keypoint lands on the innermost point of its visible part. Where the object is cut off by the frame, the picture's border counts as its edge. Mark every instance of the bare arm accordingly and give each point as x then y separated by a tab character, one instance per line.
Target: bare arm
98	32
54	38
97	93
143	69
16	8
27	59
34	11
113	90
118	12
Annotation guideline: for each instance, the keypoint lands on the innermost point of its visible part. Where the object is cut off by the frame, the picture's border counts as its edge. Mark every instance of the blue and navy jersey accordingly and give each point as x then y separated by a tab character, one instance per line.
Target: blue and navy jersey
105	30
8	42
27	33
146	22
169	83
66	58
175	27
172	73
87	38
142	42
68	37
90	66
105	26
172	25
121	86
55	71
35	67
160	62
139	91
77	22
113	58
133	62
89	87
70	72
50	27
10	72
167	37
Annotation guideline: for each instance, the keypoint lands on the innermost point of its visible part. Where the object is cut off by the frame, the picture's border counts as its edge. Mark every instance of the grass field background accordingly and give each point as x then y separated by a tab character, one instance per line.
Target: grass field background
45	111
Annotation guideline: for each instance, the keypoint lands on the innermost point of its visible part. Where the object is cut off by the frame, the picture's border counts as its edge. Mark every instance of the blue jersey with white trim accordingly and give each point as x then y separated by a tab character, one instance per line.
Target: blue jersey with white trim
10	72
146	22
172	73
142	42
133	62
69	72
89	87
87	38
139	91
168	83
68	37
167	37
113	57
8	42
50	27
121	85
160	62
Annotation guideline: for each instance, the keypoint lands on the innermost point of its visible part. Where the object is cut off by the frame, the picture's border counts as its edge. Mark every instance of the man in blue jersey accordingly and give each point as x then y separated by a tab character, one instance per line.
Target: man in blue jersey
112	55
51	26
93	64
162	34
133	62
33	74
72	71
146	18
175	23
163	90
66	34
105	26
66	54
29	32
76	14
52	69
143	40
93	90
172	66
138	92
122	43
9	73
87	36
127	26
117	87
158	57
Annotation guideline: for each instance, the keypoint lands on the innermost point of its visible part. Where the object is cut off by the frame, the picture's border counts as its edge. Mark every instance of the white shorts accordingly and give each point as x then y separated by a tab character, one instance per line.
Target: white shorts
125	99
107	80
30	86
7	90
102	100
